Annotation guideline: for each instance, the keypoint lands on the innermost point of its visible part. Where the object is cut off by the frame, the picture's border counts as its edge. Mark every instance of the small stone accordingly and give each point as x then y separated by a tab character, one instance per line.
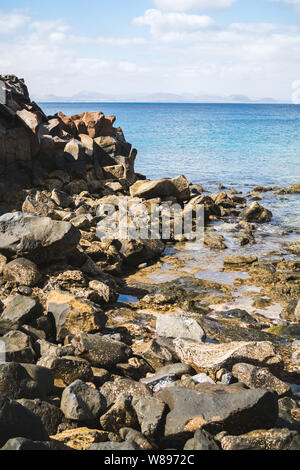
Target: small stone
22	271
62	199
159	381
239	260
82	222
295	189
100	376
81	438
103	294
202	441
287	404
256	377
160	352
202	378
256	213
273	439
128	434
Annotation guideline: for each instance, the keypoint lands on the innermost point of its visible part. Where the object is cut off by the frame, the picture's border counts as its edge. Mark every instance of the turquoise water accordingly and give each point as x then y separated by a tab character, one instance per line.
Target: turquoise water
238	145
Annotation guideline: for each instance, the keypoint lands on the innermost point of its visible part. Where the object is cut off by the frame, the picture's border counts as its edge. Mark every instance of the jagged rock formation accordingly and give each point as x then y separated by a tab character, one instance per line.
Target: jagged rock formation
76	153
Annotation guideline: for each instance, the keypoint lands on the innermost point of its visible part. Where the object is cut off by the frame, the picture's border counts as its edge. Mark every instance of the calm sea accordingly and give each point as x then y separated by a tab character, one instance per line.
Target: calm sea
238	145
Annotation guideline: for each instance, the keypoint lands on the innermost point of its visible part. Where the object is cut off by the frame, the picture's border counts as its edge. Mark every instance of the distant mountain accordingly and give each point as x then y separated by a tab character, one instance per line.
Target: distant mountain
94	97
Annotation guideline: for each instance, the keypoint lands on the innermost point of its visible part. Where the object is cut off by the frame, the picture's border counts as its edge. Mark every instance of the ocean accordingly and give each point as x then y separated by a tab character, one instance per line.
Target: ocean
237	145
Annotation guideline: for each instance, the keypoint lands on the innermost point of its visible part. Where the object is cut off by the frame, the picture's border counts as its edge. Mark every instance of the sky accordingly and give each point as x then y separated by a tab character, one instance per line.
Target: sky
196	47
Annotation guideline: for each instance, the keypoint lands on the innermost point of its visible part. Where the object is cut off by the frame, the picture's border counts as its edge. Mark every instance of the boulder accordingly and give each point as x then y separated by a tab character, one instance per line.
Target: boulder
120	415
94	122
50	415
179	326
21	309
22	271
99	351
17	421
82	403
112	390
236	412
68	368
177	187
21	443
256	377
18	347
214	242
73	315
256	213
39	238
213	357
160	352
114	172
25	381
29	119
102	293
151	414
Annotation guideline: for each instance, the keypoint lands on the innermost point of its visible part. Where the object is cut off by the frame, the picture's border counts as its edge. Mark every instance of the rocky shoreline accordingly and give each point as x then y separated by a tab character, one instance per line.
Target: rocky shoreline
125	344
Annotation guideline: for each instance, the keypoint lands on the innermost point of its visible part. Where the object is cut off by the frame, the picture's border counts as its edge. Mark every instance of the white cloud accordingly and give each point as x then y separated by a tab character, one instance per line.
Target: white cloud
121	41
48	26
161	23
12	22
194	5
184	52
296	3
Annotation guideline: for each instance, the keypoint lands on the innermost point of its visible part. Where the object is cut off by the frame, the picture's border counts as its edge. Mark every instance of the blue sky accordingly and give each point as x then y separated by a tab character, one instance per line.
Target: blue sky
219	47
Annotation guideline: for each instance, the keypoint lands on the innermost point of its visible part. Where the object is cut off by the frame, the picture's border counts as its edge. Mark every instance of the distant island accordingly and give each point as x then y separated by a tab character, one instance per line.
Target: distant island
86	96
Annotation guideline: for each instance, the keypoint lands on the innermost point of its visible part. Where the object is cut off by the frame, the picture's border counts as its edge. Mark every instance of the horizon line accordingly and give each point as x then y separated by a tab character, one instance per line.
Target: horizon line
170	102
